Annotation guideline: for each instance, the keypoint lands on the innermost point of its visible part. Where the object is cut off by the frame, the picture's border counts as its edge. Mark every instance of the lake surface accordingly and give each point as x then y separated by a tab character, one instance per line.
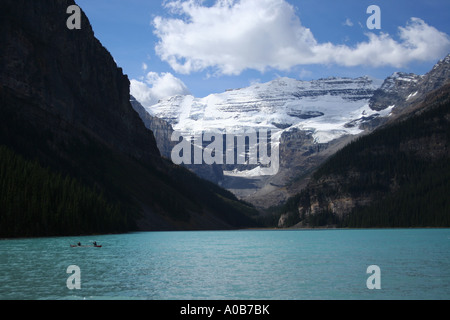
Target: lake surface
231	265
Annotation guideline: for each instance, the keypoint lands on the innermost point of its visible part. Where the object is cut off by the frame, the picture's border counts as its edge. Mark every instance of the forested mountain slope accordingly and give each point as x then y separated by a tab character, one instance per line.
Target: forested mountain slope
397	176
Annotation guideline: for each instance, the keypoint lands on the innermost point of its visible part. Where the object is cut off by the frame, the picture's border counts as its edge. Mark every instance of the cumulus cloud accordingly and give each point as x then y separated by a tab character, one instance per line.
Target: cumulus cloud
419	42
234	35
156	86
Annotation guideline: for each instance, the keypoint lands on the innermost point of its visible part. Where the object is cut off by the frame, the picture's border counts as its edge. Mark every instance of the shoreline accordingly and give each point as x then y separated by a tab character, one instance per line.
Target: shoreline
222	230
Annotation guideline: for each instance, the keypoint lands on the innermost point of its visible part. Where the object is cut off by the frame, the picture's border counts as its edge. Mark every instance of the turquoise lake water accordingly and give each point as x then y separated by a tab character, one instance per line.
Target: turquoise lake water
231	265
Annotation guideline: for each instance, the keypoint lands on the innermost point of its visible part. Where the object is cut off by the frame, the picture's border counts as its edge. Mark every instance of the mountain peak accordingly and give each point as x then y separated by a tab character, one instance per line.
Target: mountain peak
444	61
401	88
443	65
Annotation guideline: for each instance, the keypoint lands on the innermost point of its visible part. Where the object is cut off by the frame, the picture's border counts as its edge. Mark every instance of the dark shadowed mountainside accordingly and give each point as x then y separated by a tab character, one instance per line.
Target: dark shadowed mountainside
76	157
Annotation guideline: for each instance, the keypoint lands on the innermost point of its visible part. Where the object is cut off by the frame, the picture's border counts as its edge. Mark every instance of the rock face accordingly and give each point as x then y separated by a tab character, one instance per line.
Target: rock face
402	90
66	104
68	75
163	133
161	129
395	90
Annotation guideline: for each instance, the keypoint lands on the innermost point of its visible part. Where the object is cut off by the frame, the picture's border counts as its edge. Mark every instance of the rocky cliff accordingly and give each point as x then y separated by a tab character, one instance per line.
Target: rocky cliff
66	104
161	129
69	76
163	133
402	90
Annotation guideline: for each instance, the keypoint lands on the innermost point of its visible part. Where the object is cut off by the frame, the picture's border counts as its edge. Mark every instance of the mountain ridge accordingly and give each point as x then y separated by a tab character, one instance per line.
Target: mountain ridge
281	101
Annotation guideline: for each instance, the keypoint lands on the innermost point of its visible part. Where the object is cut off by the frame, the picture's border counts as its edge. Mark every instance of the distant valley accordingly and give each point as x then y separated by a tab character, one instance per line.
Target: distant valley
314	119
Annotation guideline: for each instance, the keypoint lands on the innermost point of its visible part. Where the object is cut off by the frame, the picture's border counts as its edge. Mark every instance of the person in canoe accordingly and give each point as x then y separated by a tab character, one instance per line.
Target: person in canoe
79	245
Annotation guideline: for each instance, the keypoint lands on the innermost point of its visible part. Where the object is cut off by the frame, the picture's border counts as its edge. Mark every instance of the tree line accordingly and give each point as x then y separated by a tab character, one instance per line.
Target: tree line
35	201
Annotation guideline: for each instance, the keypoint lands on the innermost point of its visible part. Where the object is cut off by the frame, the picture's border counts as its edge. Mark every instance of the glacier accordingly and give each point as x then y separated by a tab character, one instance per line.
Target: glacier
324	107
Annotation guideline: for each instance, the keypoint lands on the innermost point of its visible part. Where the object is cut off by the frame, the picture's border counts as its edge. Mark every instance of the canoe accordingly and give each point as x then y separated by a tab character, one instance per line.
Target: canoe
76	246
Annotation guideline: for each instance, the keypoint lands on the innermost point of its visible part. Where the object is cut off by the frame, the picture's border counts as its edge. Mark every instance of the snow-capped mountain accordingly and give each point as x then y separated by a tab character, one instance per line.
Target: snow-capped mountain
314	119
403	89
322	106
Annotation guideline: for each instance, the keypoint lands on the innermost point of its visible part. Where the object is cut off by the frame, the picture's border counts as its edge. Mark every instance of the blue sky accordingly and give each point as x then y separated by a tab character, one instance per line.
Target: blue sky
203	47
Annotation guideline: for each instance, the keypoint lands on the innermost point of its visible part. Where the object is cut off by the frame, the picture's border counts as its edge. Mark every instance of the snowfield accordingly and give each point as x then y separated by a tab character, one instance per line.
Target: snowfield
323	106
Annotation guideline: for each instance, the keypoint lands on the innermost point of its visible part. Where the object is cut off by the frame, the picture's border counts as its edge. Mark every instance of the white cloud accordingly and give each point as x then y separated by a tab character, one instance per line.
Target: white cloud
155	87
234	35
305	74
348	23
231	36
419	42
